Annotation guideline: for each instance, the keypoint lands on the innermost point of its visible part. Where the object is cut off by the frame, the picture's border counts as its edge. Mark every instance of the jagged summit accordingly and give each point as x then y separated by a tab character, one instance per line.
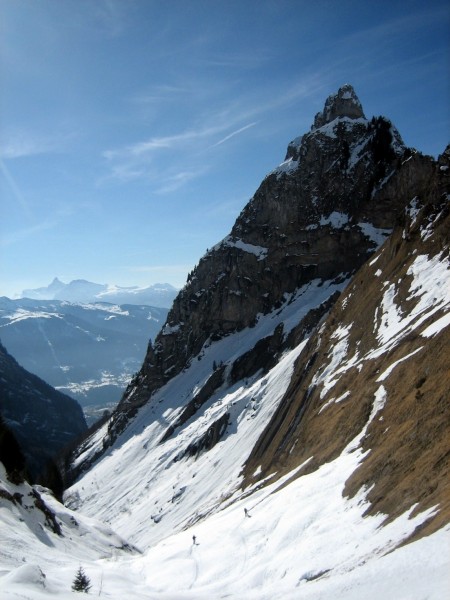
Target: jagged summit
345	103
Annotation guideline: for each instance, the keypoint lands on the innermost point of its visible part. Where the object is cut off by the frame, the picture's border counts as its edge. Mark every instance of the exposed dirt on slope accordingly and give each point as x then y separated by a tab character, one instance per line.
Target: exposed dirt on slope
409	455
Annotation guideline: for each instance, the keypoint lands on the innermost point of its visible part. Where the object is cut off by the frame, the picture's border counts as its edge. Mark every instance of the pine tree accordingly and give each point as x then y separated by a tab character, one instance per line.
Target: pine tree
81	583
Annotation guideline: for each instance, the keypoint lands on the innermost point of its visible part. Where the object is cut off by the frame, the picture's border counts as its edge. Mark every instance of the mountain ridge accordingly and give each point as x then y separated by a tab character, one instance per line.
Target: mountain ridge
43	420
318	220
89	351
159	295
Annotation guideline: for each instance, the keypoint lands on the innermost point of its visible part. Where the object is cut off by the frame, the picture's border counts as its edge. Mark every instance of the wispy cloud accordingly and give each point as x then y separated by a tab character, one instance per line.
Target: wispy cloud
147	147
230	135
17	194
187	137
19	235
169	162
174	182
124	171
25	146
139	160
20	144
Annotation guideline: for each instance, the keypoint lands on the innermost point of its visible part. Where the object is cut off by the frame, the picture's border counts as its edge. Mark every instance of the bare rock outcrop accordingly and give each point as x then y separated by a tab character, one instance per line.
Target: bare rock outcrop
343	104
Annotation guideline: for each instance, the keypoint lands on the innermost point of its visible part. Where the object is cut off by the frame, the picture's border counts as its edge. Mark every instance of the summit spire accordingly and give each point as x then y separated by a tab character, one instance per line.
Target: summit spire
345	103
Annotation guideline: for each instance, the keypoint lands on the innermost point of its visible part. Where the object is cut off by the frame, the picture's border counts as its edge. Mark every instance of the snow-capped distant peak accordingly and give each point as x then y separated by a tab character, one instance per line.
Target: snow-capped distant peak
81	290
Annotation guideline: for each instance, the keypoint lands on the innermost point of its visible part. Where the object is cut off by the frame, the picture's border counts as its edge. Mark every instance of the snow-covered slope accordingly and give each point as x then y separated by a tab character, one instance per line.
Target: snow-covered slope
303	540
299	537
178	480
186	477
380	363
42	543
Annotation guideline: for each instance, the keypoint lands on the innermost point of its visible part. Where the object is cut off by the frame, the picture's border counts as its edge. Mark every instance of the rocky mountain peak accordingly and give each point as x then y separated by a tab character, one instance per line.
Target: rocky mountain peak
345	103
312	223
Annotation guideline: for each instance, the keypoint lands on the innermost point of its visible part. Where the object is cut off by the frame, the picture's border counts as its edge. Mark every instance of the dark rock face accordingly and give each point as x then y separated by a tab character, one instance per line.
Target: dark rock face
213	383
318	216
209	439
42	419
11	455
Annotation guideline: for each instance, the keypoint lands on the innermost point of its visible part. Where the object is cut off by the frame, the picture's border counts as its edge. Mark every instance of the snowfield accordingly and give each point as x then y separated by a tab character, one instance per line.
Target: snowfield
161	517
304	540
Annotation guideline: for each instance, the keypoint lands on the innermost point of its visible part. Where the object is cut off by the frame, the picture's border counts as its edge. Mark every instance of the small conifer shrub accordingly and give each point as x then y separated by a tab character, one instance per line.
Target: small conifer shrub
81	583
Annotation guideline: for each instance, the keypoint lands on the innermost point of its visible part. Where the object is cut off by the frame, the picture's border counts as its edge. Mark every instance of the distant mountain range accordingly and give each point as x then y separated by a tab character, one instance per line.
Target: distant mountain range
80	290
89	351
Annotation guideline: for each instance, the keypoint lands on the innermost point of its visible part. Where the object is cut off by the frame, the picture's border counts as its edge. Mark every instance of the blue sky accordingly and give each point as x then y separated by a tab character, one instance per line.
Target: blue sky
133	132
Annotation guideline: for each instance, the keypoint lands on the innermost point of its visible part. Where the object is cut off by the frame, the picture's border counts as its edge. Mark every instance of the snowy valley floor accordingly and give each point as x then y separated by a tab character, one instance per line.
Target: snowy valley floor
302	541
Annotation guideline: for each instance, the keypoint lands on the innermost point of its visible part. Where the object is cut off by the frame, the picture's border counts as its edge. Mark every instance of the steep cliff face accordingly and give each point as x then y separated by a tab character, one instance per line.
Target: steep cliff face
377	369
315	218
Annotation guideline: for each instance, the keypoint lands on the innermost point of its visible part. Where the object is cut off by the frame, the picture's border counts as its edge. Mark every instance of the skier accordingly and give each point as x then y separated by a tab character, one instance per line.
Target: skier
246	513
193	540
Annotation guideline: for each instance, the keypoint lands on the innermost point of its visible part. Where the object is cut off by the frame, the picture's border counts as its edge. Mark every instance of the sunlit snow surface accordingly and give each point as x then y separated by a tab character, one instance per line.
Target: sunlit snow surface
301	537
304	541
430	289
259	251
